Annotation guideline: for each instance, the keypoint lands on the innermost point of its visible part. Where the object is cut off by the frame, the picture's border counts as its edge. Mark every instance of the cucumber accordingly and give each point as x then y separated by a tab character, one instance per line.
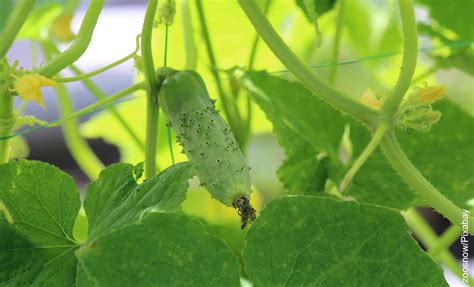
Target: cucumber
206	140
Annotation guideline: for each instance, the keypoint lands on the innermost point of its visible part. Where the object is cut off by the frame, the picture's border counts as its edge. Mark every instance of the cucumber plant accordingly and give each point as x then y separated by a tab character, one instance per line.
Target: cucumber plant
349	216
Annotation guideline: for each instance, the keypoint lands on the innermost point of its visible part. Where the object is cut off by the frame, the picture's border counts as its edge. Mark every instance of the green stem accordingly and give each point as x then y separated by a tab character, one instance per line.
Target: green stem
410	53
80	44
15	22
99	104
232	114
7	117
188	35
152	106
430	239
256	40
445	241
7	122
417	182
369	149
96	72
300	71
337	42
253	54
165	64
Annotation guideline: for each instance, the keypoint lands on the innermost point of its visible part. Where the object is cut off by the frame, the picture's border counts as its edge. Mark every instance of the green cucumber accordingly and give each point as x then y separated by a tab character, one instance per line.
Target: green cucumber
206	140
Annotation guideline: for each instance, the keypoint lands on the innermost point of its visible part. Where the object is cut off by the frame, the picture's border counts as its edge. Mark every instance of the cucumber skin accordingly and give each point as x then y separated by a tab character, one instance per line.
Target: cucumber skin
204	136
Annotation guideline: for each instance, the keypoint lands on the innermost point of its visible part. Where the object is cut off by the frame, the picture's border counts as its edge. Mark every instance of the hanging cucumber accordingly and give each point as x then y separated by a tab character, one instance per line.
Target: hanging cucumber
206	140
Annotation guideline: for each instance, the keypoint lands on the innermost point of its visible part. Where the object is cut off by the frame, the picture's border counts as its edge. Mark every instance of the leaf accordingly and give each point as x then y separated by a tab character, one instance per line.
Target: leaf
443	155
41	205
303	172
459	57
37	248
454	15
322	6
300	121
313	241
163	249
115	199
289	105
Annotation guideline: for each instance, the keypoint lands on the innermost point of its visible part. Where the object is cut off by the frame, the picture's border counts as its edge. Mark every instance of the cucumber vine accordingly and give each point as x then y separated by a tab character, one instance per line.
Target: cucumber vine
143	216
370	117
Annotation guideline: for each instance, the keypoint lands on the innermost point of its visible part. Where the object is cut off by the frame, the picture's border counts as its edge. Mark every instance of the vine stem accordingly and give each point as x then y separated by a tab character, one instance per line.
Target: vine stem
7	122
389	144
80	44
251	61
446	240
188	36
256	40
152	106
337	42
83	76
165	64
7	116
15	22
429	238
415	179
300	71
410	54
369	149
230	111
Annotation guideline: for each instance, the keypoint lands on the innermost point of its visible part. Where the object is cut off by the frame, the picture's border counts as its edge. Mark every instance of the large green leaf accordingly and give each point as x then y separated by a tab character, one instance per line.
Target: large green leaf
161	250
314	241
37	246
308	129
115	199
41	205
288	104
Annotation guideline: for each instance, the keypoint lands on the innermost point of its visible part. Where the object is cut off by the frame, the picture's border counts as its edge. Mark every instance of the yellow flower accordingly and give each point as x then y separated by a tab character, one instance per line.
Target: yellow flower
430	95
61	28
368	98
29	87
